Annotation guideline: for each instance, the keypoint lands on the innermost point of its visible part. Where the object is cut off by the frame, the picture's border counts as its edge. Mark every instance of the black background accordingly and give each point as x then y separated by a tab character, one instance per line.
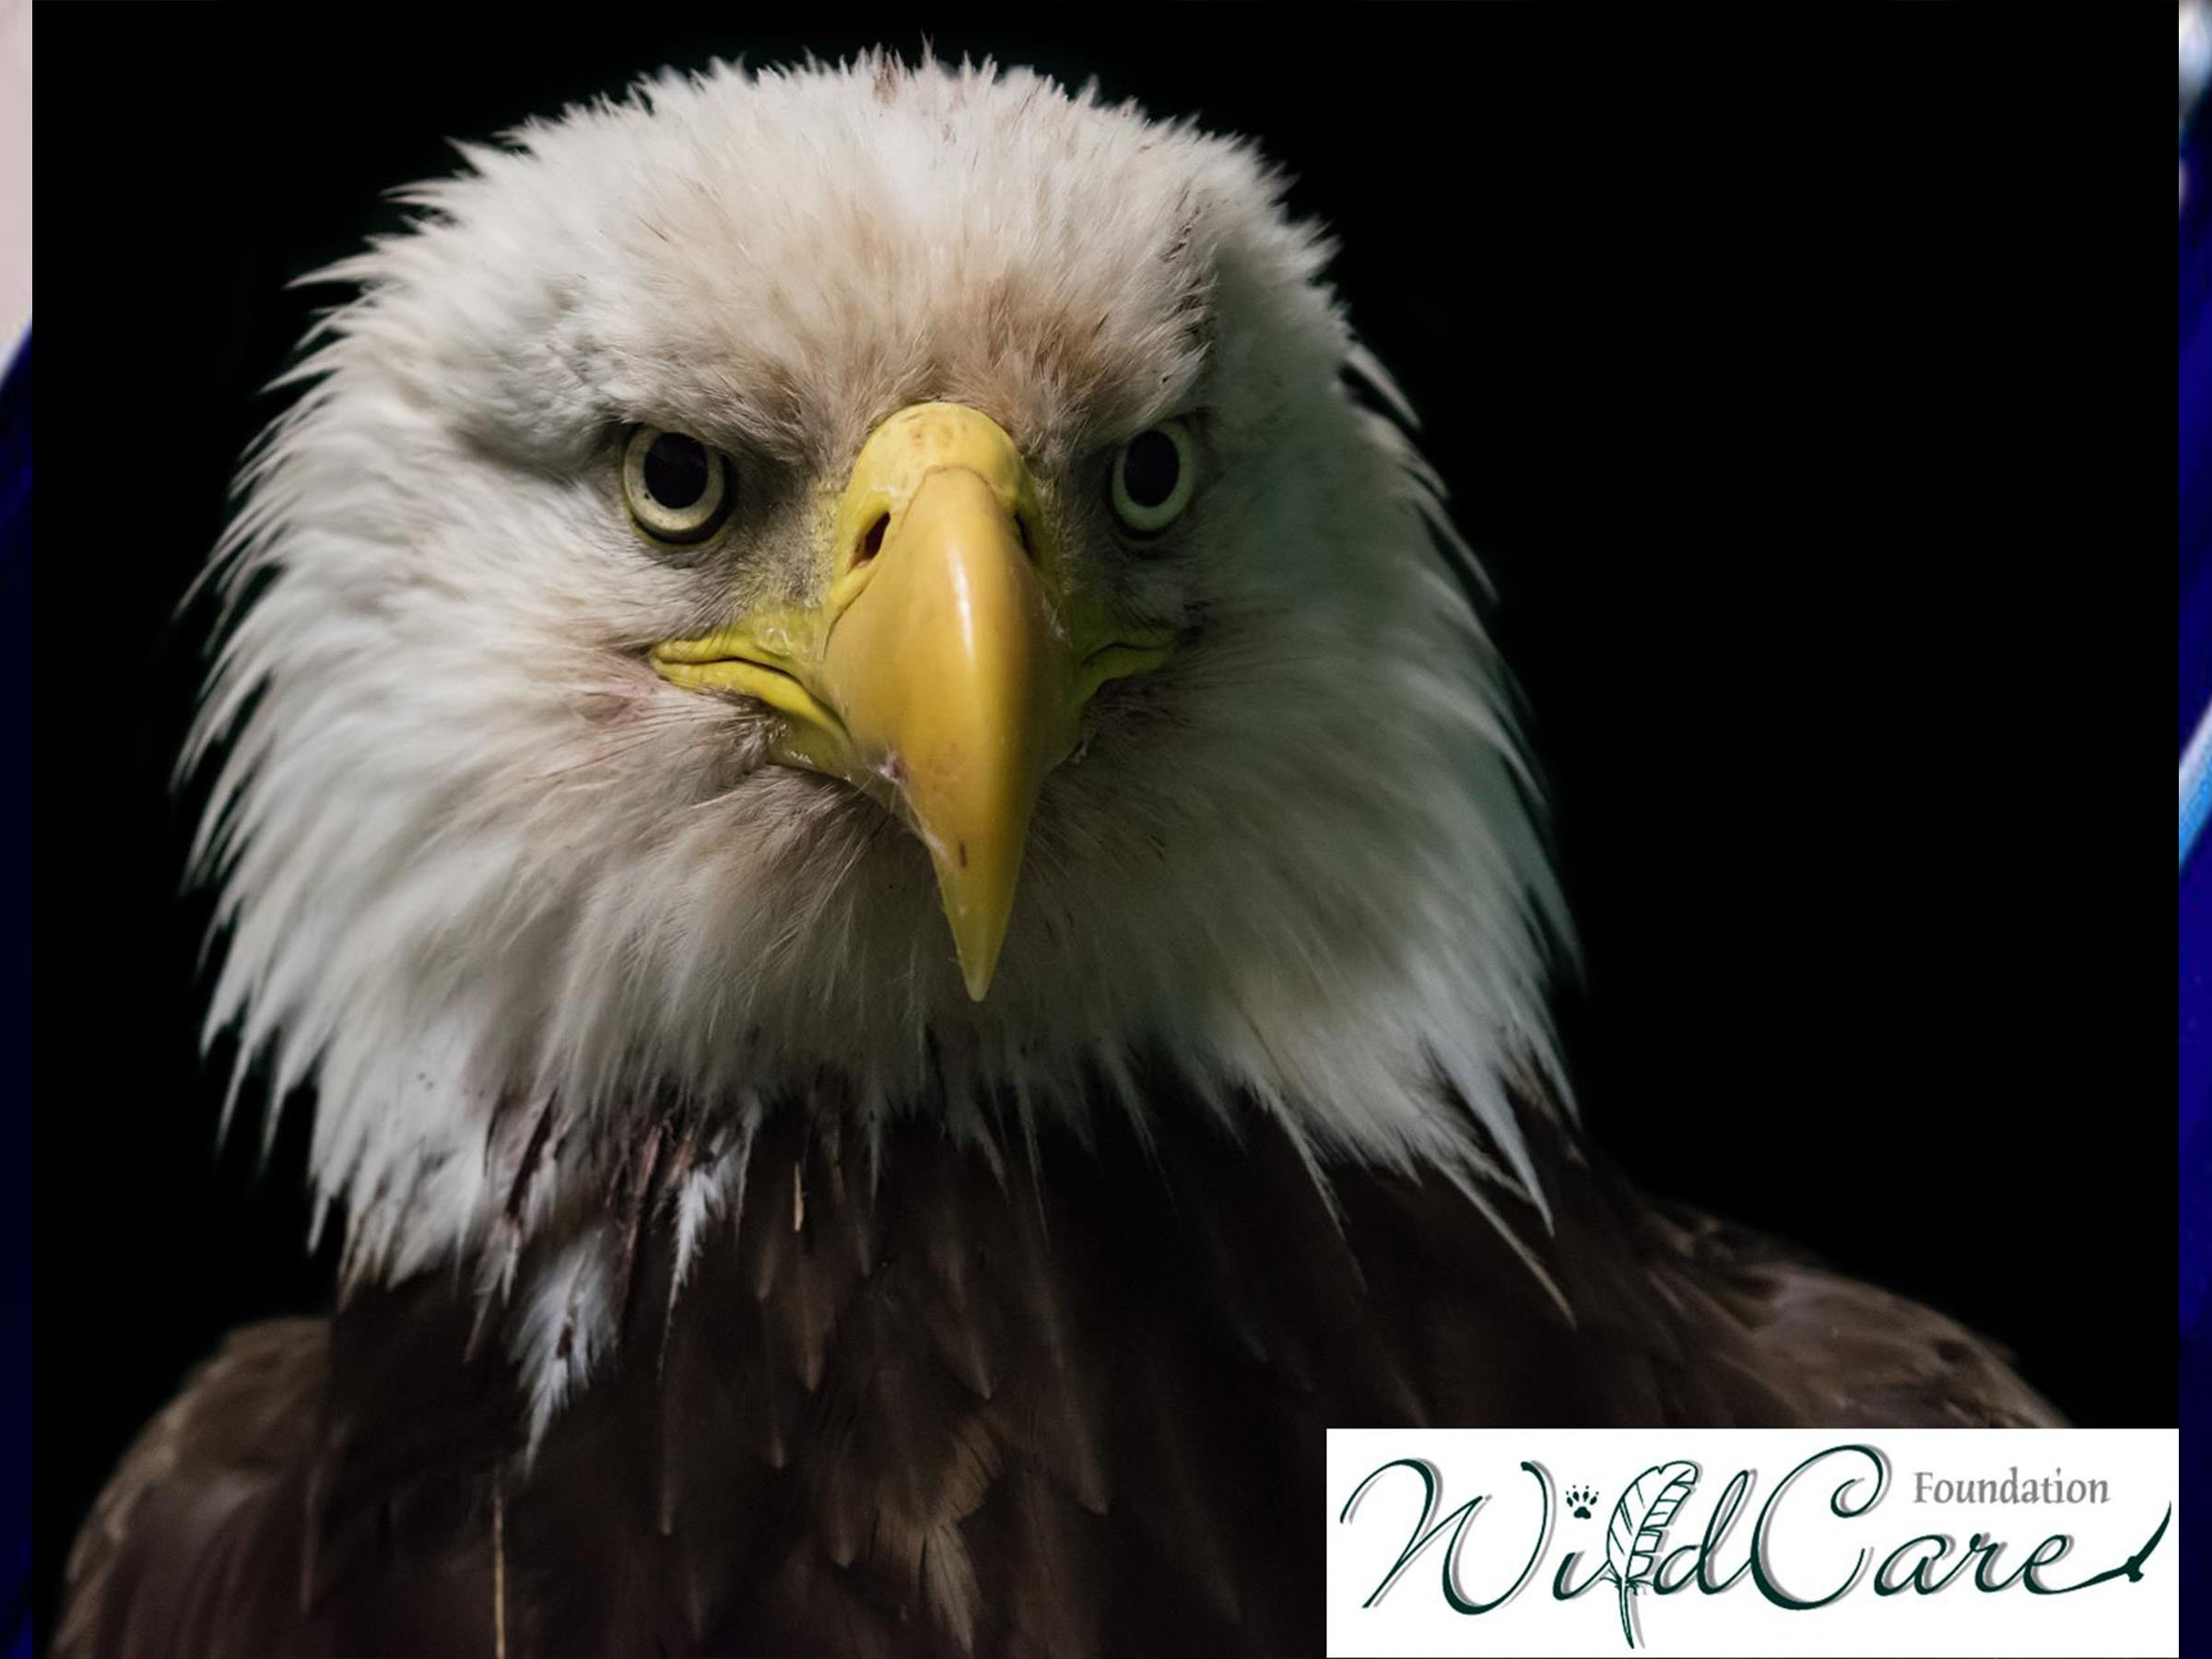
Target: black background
1800	375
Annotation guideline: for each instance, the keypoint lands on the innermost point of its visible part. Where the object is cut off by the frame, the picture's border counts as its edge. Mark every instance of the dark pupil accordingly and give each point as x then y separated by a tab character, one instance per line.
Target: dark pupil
676	470
1149	468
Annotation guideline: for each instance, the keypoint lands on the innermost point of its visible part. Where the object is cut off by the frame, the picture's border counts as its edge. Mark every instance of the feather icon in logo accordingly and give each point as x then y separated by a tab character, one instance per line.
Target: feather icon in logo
1638	1530
1579	1499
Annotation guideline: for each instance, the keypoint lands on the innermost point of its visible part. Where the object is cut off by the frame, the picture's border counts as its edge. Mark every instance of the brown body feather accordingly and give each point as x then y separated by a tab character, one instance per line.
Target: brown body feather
1073	1411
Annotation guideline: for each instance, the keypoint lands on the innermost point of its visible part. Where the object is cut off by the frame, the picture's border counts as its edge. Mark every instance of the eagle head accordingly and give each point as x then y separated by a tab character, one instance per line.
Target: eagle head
889	583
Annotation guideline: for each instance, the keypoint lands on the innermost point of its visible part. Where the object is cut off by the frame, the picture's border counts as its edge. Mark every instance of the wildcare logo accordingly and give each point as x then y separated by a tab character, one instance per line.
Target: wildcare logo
1753	1541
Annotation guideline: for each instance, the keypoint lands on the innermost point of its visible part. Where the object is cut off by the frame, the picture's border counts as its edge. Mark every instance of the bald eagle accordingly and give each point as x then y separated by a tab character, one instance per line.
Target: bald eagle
852	749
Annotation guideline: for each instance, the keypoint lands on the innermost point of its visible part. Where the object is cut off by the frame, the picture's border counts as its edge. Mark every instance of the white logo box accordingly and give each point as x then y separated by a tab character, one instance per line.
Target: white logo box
1922	1541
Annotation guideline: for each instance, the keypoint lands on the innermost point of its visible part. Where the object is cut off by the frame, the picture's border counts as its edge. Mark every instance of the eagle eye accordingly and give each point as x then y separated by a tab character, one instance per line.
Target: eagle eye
677	489
1153	477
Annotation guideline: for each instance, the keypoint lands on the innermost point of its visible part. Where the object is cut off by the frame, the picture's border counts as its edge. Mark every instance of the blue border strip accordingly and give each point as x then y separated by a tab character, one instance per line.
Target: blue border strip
2197	785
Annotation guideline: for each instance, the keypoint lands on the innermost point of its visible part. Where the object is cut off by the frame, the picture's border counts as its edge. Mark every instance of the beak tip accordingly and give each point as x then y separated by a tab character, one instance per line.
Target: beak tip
978	898
977	948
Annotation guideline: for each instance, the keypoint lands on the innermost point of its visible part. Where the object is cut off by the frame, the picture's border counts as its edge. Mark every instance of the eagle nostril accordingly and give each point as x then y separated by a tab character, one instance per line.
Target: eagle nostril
871	544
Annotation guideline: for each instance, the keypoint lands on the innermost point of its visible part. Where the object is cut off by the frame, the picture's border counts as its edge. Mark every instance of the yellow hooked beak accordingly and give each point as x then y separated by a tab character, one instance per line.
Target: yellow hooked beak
946	671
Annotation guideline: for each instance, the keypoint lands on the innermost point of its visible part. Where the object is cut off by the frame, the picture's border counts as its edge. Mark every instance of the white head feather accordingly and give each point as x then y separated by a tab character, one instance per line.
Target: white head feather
473	852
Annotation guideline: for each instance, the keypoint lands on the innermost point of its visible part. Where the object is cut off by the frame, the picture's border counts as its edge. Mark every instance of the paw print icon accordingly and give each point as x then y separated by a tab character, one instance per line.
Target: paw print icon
1580	1499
